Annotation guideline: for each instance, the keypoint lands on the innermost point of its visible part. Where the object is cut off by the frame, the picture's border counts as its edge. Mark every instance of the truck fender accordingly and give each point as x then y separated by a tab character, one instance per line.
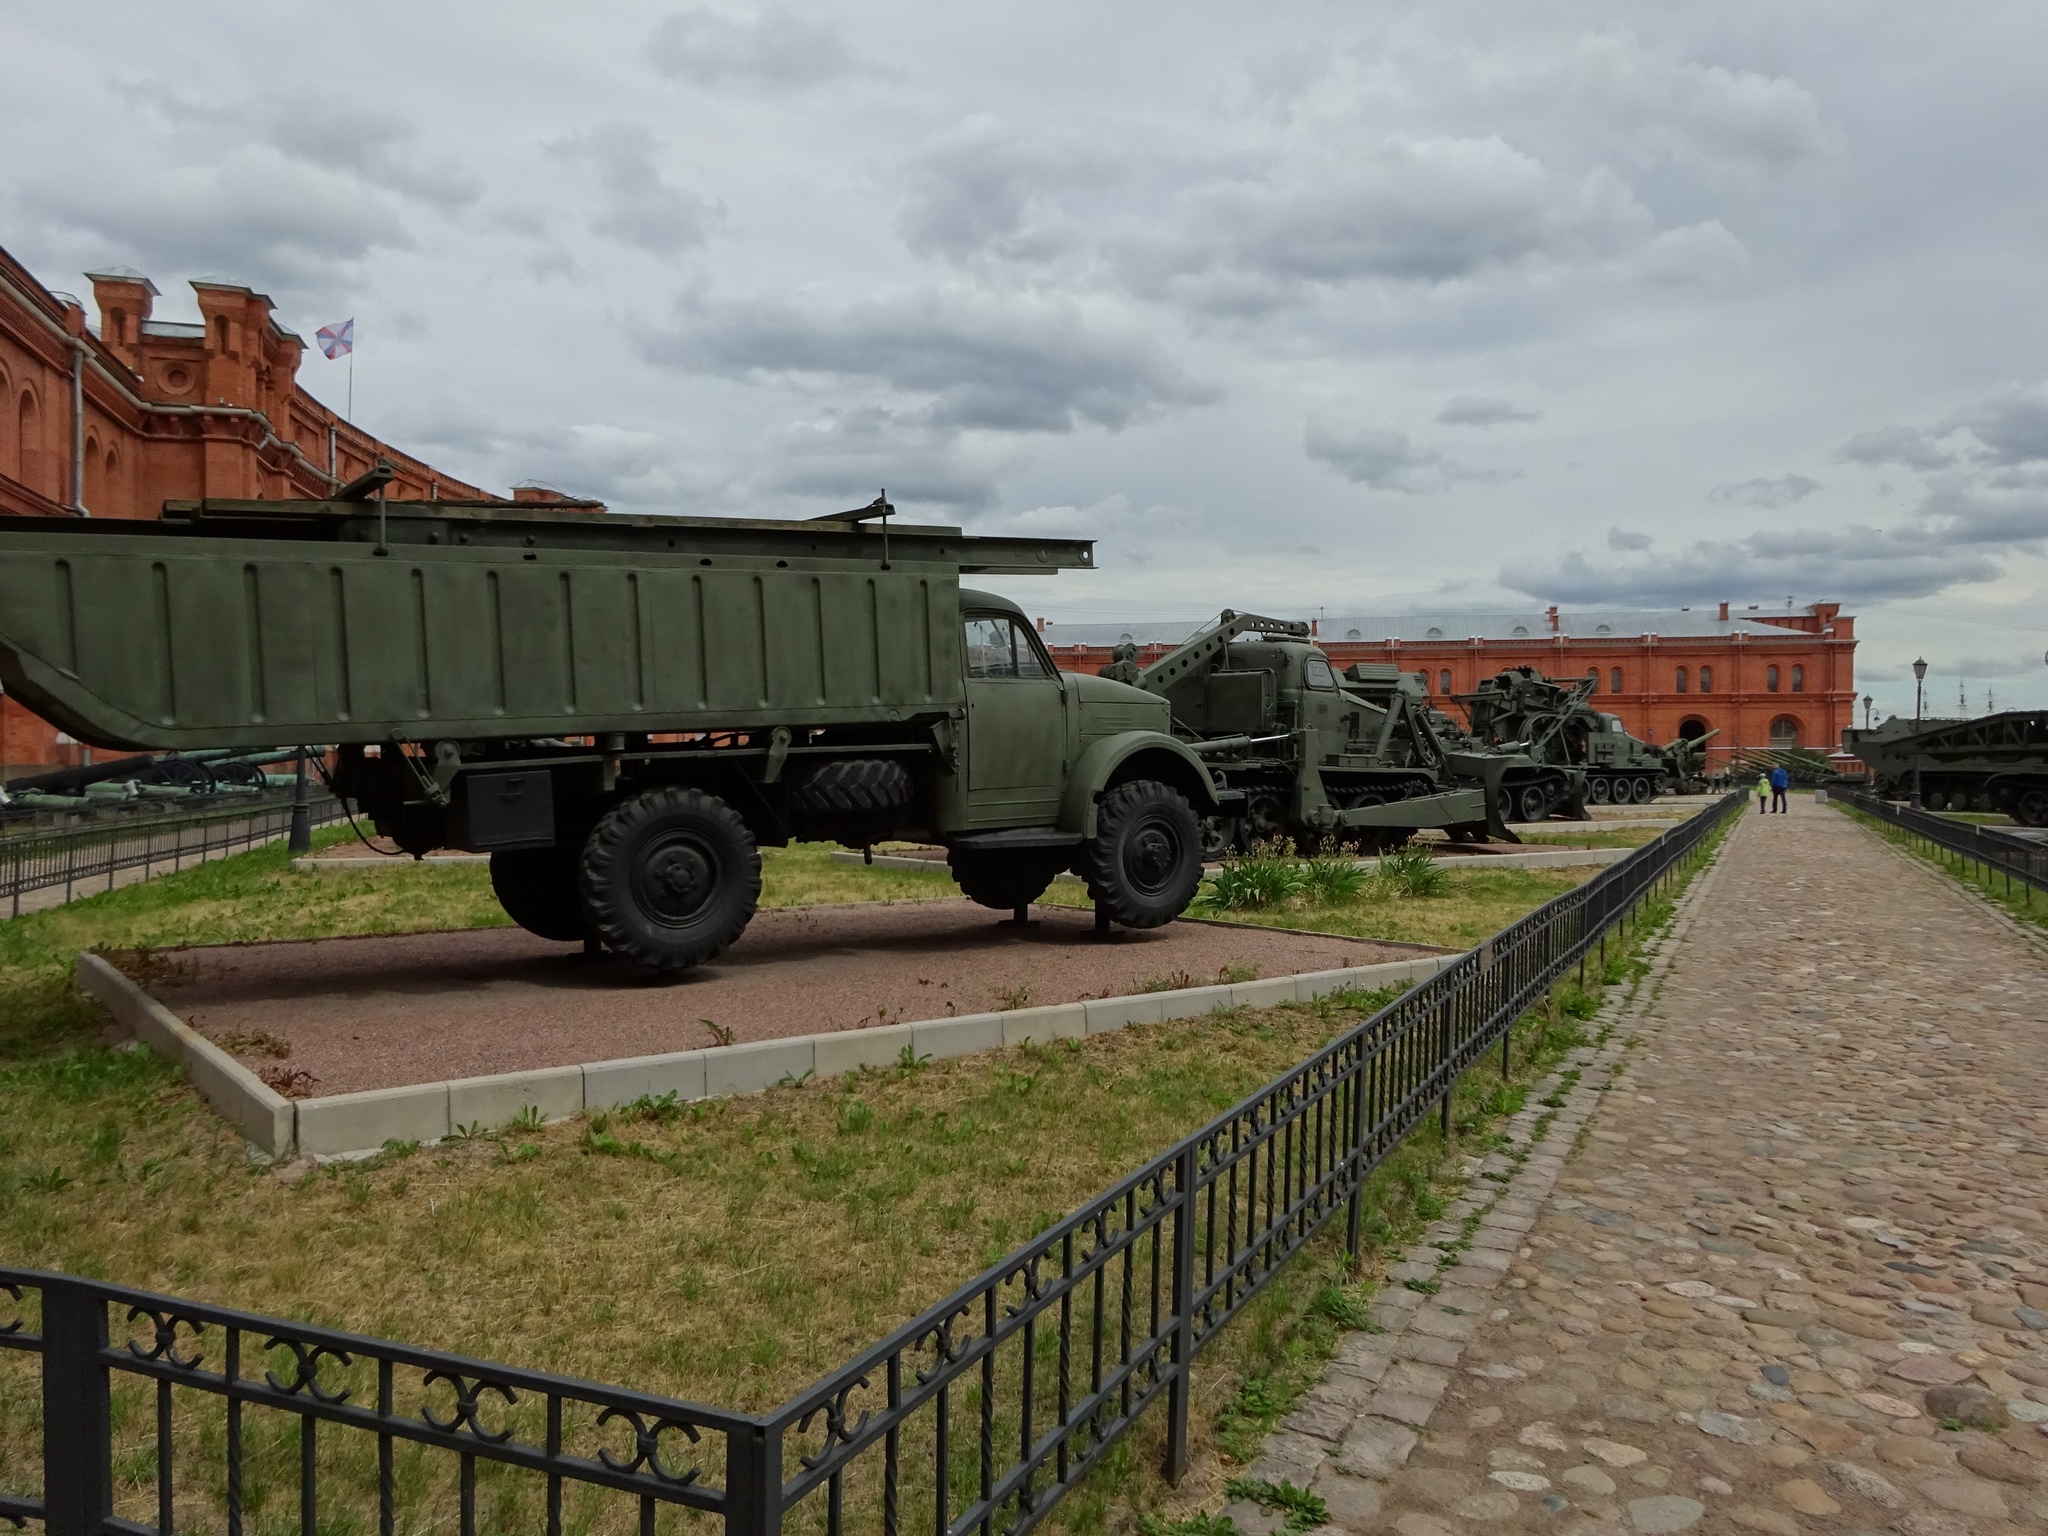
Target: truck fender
1131	755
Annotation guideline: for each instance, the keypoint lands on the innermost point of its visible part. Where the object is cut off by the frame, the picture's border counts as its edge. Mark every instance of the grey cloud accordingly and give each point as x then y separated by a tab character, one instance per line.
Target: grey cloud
1705	111
339	133
983	189
1857	564
1626	540
1427	210
850	452
1778	491
1386	460
972	360
1692	253
777	47
637	206
1913	447
2012	429
1483	411
268	220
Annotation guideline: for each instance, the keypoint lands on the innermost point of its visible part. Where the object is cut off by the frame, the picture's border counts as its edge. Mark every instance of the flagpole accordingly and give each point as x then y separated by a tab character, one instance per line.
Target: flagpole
351	384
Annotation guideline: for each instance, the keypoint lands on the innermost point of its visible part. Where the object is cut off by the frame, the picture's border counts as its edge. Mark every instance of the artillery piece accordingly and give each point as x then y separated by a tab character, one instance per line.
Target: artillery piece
1553	721
1352	760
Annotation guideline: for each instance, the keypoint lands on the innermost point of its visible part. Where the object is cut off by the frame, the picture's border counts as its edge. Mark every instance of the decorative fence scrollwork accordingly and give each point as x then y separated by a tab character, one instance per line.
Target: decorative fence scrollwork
977	1415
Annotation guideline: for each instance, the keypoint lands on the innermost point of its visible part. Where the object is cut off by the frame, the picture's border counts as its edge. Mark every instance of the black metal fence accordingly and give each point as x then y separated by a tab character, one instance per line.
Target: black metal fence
82	858
976	1416
1992	850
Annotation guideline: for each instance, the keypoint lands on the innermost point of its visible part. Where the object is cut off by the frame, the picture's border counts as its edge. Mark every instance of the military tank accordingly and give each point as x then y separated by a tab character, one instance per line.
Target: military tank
1992	763
1554	722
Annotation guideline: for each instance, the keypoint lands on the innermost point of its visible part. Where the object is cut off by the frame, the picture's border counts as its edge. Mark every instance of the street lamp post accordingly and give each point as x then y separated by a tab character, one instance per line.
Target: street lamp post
1919	699
1867	702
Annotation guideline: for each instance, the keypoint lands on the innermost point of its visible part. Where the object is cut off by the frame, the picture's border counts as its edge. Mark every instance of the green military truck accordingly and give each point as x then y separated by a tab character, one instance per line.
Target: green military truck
620	710
1318	757
1554	722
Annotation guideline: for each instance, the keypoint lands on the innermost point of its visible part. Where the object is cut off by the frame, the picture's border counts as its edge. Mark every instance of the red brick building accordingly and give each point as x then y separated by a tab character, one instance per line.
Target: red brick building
114	421
1760	678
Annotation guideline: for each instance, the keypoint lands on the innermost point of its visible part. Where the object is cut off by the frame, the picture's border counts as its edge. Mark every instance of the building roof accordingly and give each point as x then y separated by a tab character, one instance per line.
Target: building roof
1510	624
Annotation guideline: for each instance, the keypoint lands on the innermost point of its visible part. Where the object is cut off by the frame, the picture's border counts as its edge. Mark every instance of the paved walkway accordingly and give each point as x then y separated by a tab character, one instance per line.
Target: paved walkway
1779	1263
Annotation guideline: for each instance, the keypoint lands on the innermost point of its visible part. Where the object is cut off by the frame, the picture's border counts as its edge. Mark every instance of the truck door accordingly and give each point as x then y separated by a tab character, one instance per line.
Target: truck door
1016	725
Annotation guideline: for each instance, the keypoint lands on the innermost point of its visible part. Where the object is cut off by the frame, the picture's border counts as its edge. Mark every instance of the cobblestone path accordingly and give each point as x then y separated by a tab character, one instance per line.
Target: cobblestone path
1780	1265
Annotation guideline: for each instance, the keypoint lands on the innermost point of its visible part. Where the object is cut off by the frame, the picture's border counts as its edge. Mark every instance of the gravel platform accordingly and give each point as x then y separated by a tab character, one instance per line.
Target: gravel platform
384	1011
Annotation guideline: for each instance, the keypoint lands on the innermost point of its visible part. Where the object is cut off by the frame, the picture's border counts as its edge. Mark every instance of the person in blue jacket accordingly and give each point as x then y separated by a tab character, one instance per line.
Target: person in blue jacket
1780	782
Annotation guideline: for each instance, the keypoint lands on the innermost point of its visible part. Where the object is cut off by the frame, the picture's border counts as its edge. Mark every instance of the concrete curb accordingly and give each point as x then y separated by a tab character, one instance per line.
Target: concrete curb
350	1125
237	1095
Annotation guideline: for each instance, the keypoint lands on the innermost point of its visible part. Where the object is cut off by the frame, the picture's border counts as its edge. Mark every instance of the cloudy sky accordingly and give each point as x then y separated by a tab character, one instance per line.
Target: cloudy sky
1366	307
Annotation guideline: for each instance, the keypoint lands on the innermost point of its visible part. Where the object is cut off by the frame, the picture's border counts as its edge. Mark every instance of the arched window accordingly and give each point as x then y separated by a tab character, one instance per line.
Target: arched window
1603	629
1784	733
220	333
108	493
1614	681
1433	633
1594	674
10	445
1352	634
1519	629
92	470
1799	679
120	319
1681	680
1770	679
1706	679
1443	681
29	438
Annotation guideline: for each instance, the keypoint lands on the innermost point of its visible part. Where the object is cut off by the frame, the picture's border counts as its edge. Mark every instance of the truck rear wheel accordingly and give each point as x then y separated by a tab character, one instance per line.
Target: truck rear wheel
1535	803
537	888
1003	880
1144	864
670	878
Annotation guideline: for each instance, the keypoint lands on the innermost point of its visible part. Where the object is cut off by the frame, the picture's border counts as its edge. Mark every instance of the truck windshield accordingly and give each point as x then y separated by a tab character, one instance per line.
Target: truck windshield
998	647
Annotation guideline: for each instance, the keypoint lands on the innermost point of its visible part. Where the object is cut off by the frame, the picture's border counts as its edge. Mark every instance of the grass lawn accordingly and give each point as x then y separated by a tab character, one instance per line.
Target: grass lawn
728	1252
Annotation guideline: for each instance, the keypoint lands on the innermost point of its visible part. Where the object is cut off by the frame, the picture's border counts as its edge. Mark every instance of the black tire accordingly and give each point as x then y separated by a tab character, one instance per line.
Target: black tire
1599	791
1535	803
1222	836
1144	864
854	786
2030	809
1004	881
1645	791
537	887
1504	805
670	878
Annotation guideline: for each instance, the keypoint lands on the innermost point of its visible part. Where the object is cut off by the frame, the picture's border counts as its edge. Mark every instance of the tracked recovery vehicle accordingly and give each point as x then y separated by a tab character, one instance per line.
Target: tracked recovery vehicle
1993	763
1554	722
620	710
1316	757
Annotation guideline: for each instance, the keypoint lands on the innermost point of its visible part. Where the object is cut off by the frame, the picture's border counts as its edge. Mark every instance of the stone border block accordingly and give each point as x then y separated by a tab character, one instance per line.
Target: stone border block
757	1066
354	1124
1107	1013
491	1103
1042	1026
1192	1002
237	1095
611	1084
1310	985
963	1035
849	1050
1263	994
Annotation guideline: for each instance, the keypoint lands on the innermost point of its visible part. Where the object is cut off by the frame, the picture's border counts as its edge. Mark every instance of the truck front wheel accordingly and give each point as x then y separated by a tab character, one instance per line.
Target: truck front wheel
1144	864
670	878
537	888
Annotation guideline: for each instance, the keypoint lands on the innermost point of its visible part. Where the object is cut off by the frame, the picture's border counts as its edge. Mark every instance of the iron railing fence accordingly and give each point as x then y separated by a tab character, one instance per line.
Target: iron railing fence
79	857
974	1417
1968	842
